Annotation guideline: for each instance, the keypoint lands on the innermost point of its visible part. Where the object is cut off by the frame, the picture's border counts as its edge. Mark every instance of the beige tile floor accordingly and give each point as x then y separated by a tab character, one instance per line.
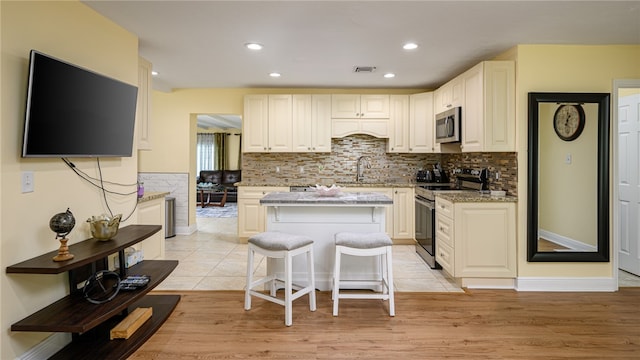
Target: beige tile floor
212	259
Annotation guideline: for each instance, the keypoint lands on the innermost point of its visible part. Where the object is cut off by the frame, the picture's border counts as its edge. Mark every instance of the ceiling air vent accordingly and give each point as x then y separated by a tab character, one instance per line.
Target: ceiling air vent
364	69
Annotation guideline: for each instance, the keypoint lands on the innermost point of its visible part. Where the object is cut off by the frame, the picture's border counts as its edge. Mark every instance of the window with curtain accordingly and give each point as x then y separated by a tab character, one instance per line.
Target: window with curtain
204	152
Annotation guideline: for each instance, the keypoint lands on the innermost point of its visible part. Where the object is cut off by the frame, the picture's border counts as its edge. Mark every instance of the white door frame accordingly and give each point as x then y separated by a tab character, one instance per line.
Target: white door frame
617	84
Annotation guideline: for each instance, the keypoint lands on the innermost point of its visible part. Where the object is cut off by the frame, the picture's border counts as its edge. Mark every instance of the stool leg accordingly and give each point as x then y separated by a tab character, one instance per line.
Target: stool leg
288	269
336	281
247	292
392	305
312	279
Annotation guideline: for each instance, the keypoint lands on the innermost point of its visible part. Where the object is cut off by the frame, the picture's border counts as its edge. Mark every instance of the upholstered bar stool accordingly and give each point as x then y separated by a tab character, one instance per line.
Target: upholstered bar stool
280	245
364	244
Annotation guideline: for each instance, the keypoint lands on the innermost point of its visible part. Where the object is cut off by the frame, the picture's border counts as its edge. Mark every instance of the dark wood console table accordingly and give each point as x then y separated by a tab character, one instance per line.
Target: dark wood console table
90	323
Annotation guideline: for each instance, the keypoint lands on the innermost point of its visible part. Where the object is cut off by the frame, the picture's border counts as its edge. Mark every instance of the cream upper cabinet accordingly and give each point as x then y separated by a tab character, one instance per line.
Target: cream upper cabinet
448	96
398	124
354	106
251	215
144	104
476	239
488	117
267	123
360	114
255	123
280	123
311	123
421	126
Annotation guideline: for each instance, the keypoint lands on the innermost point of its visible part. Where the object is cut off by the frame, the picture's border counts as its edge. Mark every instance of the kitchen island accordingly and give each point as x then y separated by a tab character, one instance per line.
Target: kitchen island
320	217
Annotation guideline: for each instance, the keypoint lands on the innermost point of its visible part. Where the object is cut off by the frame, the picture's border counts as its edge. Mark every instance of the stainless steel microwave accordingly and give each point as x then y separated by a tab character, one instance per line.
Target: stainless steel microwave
448	125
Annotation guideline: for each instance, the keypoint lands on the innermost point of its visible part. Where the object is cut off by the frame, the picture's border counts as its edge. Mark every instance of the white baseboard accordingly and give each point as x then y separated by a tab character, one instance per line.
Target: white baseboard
566	284
47	348
571	244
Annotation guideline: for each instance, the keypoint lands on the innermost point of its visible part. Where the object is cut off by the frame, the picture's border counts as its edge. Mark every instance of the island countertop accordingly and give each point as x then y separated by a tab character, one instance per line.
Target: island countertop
311	198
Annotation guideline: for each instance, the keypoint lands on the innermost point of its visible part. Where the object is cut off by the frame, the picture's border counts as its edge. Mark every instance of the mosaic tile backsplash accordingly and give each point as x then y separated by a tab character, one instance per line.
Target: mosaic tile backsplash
339	166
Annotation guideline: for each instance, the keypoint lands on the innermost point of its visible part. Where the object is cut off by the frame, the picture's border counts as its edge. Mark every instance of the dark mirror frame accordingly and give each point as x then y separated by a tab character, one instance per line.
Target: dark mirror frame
602	255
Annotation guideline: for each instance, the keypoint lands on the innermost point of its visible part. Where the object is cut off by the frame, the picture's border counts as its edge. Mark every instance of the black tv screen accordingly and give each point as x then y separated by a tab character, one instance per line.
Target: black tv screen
74	112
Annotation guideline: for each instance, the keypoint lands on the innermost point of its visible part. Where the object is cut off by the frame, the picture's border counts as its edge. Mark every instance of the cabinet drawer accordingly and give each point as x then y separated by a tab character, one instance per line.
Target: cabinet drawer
444	257
258	192
444	230
444	207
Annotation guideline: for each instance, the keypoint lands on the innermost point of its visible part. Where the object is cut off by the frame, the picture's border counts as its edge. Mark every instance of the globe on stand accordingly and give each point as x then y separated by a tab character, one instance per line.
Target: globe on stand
62	224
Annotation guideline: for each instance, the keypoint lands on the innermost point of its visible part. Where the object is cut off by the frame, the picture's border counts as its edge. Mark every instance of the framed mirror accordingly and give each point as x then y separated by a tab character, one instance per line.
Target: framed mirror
568	189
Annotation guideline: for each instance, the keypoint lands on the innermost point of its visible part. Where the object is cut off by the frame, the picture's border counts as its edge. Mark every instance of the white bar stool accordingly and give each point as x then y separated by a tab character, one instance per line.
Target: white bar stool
364	244
281	246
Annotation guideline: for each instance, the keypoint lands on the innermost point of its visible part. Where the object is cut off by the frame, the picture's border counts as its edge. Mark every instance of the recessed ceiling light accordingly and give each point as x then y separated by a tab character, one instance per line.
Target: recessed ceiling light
154	73
389	75
274	74
253	46
410	46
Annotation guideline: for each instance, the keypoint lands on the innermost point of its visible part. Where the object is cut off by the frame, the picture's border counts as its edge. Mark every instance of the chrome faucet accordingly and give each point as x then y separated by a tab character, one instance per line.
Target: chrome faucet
362	161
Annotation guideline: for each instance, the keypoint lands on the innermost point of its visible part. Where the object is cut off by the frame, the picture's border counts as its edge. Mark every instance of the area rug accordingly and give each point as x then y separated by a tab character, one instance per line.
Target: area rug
226	211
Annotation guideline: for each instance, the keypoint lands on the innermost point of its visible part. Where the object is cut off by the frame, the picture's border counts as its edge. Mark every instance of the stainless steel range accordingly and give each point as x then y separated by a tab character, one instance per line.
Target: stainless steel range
466	180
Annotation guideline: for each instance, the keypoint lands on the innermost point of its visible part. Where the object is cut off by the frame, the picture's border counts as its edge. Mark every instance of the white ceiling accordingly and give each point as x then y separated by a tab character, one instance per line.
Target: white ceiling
316	44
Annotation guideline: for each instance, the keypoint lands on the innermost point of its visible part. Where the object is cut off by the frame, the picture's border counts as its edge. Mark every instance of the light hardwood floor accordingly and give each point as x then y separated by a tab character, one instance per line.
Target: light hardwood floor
477	324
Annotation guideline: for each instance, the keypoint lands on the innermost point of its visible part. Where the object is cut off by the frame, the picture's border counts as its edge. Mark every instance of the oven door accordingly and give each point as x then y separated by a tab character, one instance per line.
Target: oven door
425	231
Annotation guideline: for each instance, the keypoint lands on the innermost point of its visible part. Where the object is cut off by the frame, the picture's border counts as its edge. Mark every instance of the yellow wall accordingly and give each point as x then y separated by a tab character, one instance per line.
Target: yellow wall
561	68
73	32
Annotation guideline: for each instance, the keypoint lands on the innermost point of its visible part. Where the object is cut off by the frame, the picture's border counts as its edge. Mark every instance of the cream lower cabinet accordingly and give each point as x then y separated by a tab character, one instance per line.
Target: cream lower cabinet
476	239
400	218
152	212
251	215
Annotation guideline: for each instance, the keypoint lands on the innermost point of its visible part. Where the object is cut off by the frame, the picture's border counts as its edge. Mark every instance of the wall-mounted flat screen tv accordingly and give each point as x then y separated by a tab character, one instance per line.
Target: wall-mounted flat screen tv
75	112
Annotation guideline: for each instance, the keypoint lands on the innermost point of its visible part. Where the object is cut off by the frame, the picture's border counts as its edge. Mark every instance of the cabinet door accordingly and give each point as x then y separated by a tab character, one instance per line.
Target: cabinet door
152	213
345	106
251	215
473	118
398	124
321	123
374	106
485	240
255	123
421	127
302	124
403	213
280	123
499	107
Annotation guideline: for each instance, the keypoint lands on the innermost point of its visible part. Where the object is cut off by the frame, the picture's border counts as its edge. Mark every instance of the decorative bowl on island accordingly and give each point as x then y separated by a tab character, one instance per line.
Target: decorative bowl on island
322	190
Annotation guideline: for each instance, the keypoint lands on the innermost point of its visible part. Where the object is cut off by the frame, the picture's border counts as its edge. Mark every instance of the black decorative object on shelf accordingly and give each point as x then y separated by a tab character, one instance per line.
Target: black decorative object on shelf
62	224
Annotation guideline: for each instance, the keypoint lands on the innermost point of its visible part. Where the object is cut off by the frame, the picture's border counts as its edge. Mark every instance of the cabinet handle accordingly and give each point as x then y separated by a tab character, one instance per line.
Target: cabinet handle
308	148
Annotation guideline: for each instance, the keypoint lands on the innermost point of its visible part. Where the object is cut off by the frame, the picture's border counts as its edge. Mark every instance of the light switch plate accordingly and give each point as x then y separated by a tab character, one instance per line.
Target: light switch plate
27	181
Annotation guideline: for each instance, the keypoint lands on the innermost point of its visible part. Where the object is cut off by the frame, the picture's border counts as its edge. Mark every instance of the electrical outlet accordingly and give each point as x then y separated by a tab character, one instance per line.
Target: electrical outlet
27	181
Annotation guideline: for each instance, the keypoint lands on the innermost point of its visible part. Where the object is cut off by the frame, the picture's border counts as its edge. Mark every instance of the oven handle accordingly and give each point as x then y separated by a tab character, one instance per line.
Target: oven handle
428	204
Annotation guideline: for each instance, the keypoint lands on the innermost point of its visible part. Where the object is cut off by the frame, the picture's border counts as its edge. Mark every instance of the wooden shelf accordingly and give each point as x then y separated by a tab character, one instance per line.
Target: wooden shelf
91	323
85	252
96	344
73	313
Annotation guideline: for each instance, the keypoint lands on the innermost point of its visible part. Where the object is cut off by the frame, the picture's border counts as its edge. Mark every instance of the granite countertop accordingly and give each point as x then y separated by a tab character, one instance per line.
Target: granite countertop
152	195
391	184
312	198
473	196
